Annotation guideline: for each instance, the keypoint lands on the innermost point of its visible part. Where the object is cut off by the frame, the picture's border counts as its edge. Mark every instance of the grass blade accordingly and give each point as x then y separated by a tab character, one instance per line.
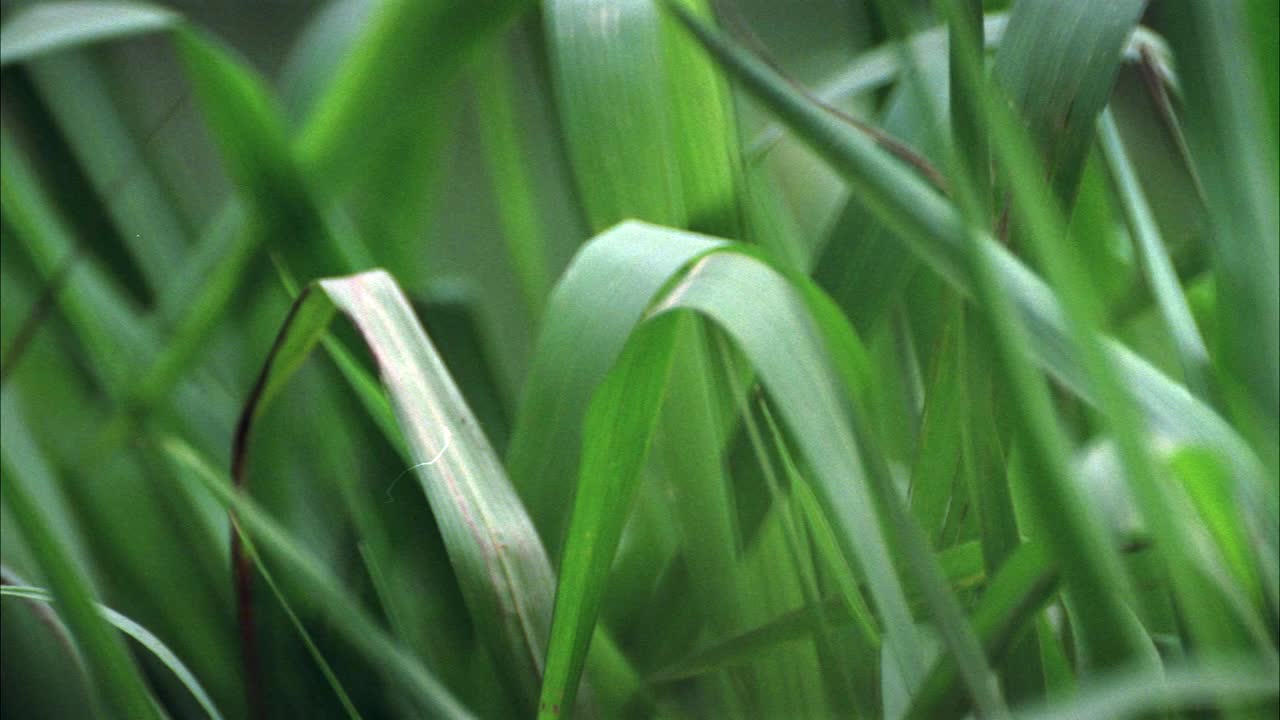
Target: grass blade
1156	265
501	566
113	673
936	233
649	124
53	26
140	634
384	67
1058	63
325	591
1231	139
787	351
1138	693
543	456
516	204
249	127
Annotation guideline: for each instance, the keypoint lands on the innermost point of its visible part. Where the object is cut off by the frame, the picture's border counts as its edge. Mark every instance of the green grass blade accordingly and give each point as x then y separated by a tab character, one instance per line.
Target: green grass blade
249	128
325	669
962	566
902	200
53	26
1232	143
1156	264
610	90
500	563
114	160
1097	590
938	453
617	431
113	673
649	125
318	52
543	457
140	634
1012	598
325	591
383	76
517	205
688	450
1058	63
102	318
936	233
874	69
1139	693
968	133
1040	218
784	347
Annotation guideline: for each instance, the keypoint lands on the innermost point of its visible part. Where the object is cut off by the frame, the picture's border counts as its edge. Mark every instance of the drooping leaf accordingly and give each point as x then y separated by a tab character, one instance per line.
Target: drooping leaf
787	350
500	563
1058	63
52	26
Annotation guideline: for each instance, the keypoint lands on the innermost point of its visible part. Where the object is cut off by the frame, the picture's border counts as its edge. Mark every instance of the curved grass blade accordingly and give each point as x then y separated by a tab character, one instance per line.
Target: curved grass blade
916	214
543	456
1058	62
650	131
143	637
500	563
52	26
325	594
777	334
618	428
113	674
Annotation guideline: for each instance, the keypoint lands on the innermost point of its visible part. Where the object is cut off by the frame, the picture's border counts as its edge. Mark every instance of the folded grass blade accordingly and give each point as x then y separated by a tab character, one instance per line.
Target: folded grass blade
787	350
499	561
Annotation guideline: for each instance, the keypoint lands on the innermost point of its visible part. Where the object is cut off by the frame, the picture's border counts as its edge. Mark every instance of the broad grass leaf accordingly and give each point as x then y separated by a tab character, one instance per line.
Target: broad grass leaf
499	561
788	352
